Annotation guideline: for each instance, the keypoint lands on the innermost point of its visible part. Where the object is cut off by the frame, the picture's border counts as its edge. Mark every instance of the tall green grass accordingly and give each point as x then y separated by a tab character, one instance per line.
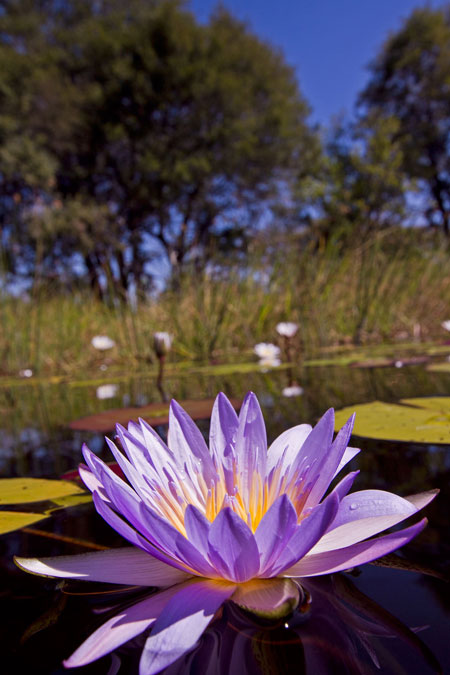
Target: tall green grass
381	289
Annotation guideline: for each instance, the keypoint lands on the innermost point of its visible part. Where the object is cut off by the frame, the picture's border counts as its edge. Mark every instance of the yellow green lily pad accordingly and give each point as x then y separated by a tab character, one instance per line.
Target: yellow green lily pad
15	520
27	490
413	420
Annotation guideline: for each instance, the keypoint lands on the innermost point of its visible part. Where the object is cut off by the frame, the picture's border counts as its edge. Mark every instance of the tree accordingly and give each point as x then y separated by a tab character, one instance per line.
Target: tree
410	80
177	128
364	189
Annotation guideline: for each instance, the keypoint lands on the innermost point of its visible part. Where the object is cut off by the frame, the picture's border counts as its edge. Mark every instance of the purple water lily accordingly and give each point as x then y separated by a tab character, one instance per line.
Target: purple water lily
218	524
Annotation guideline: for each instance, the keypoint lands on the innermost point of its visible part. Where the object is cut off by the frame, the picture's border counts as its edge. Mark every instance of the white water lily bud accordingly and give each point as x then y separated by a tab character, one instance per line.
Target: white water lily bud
287	328
162	343
102	342
293	390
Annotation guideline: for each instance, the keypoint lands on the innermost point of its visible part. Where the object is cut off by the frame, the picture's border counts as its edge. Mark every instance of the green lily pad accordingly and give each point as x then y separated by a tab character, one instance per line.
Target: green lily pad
154	414
413	420
69	501
15	520
27	490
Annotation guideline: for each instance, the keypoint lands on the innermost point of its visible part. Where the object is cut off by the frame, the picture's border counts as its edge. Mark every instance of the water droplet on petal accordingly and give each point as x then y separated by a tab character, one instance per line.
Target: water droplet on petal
353	507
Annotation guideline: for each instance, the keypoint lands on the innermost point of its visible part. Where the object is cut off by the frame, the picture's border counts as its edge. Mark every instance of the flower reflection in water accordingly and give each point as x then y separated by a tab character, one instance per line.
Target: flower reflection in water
335	629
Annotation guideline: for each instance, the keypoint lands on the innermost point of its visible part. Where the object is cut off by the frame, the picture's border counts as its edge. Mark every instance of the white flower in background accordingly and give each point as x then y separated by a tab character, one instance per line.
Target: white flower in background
103	367
267	351
446	325
162	343
26	372
102	342
107	391
398	364
288	328
293	390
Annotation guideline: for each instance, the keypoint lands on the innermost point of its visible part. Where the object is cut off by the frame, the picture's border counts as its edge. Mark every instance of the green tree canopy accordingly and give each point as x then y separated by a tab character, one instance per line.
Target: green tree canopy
410	81
170	129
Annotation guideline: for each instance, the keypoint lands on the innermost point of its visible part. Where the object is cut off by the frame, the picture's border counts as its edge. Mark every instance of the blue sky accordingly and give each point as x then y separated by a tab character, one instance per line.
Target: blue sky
328	42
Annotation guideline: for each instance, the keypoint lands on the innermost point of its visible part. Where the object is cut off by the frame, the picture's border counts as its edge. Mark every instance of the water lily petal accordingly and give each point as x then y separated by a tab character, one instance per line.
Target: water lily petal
362	515
115	566
422	499
146	464
232	547
182	622
123	627
368	503
315	448
276	527
287	446
223	427
251	445
343	487
124	529
346	458
92	483
310	530
187	443
357	554
169	539
134	476
329	462
271	598
197	528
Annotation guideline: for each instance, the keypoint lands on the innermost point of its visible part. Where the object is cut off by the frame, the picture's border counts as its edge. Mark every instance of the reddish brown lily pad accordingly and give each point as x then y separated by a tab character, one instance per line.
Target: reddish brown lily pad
154	414
390	363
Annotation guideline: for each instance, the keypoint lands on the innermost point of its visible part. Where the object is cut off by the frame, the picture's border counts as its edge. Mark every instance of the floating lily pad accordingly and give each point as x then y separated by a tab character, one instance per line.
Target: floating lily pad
27	490
15	520
414	420
391	363
154	414
68	501
440	367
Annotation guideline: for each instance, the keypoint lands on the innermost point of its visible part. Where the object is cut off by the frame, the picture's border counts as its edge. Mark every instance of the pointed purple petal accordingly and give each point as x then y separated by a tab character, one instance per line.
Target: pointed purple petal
187	443
115	566
275	529
343	487
347	457
329	461
351	556
287	446
362	515
308	533
251	444
182	622
222	431
197	528
422	499
232	547
315	449
169	539
90	480
131	535
121	628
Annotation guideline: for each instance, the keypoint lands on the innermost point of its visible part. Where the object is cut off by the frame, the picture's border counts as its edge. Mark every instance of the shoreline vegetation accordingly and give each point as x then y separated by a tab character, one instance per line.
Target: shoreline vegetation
389	288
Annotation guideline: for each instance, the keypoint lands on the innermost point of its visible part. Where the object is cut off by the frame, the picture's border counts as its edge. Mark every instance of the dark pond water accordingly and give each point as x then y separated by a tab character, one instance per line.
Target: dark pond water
354	620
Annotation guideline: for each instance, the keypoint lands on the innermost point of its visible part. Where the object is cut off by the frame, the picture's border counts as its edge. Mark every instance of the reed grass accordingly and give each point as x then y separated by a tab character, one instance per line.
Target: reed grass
388	287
